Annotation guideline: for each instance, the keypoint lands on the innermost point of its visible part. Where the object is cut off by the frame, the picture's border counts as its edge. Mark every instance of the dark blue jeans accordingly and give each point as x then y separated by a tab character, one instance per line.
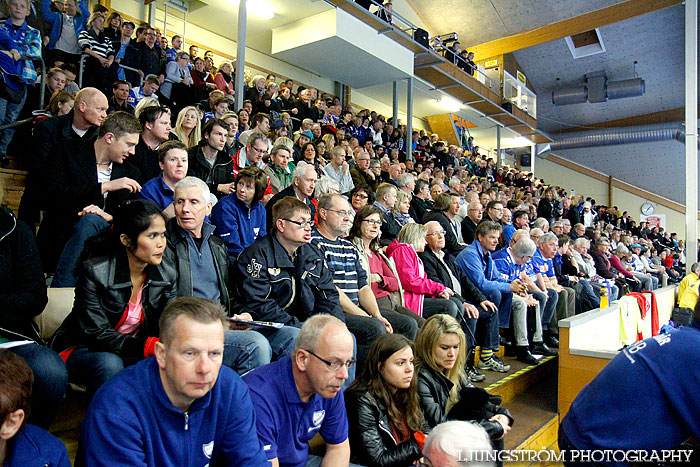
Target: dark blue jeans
93	369
50	381
548	305
86	227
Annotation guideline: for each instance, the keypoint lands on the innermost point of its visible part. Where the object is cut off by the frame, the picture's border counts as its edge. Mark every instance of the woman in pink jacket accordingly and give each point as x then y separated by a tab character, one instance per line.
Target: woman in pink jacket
422	295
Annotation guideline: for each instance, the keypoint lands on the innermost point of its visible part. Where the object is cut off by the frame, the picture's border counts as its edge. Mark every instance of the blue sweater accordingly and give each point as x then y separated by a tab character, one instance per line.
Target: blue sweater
481	270
645	398
237	225
35	447
131	422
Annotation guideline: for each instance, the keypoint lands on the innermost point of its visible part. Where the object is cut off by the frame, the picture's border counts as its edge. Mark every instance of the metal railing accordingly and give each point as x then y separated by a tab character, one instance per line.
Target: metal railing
82	65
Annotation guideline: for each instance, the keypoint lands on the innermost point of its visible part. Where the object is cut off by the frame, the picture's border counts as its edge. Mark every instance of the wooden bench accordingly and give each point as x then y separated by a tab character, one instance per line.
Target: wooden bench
13	181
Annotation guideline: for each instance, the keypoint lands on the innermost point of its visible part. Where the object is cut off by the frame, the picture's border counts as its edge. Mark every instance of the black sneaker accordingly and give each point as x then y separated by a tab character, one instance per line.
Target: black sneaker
475	375
540	348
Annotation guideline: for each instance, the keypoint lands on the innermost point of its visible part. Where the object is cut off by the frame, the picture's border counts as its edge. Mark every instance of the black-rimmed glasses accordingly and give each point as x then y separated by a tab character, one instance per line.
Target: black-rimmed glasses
335	365
302	224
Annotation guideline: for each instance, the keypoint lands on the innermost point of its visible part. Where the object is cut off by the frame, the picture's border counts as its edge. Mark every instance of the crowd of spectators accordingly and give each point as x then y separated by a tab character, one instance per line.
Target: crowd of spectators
288	208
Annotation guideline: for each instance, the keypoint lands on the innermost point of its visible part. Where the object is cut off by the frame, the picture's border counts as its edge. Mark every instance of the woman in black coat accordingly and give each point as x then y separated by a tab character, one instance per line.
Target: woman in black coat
382	407
121	292
443	388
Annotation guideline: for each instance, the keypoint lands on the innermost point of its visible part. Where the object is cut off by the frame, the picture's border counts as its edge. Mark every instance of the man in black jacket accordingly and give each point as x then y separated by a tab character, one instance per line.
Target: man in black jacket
420	201
80	124
386	198
208	161
200	261
85	186
469	223
155	122
302	188
440	267
280	277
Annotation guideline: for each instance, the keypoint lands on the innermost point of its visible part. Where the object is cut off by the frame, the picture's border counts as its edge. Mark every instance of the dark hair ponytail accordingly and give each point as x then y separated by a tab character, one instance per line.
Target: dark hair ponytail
131	218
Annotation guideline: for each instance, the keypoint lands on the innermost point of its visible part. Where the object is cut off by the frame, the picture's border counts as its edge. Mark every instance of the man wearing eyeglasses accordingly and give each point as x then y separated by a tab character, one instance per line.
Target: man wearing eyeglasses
299	396
474	216
362	174
362	313
440	267
280	277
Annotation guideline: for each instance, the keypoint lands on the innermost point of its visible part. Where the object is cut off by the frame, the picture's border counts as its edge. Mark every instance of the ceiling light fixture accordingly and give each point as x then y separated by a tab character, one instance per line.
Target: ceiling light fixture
260	8
448	103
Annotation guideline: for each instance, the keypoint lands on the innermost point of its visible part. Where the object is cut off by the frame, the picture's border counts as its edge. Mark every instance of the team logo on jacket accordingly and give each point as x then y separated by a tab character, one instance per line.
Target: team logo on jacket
274	271
208	449
254	268
317	419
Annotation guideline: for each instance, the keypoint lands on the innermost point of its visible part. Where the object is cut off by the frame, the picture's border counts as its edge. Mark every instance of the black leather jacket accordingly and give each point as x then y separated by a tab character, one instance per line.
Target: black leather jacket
101	300
372	442
177	258
434	392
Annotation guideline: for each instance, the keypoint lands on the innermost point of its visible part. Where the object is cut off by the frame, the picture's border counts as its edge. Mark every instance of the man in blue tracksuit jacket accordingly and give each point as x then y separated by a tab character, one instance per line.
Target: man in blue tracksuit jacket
179	408
646	398
476	262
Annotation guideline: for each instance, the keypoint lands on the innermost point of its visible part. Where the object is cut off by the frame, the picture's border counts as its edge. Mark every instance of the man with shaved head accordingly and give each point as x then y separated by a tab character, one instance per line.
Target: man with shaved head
80	124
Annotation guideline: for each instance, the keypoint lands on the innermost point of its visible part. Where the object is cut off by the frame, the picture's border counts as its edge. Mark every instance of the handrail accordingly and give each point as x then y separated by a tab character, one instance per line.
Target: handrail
135	70
16	123
82	62
80	70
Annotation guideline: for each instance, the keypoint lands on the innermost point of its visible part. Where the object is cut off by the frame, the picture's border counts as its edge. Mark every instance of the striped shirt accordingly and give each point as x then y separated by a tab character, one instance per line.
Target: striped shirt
344	260
98	44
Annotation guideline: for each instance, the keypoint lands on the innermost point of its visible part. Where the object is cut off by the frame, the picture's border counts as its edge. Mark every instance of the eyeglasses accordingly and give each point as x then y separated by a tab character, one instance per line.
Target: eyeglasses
372	222
258	150
342	213
334	365
360	196
303	225
439	232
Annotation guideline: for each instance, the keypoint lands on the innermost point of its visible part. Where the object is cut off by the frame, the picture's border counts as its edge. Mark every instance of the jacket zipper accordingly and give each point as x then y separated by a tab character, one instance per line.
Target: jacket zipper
187	421
388	432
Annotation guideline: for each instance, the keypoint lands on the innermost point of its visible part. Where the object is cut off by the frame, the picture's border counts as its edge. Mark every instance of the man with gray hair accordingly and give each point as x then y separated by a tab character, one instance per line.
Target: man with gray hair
299	396
201	263
302	188
407	183
513	263
547	246
181	407
455	443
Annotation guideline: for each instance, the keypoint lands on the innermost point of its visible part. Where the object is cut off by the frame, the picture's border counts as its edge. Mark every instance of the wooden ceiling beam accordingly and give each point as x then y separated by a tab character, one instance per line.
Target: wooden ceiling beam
569	27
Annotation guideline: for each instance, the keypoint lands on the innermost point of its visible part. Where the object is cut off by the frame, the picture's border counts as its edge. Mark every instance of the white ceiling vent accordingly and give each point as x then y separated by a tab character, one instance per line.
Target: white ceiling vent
586	43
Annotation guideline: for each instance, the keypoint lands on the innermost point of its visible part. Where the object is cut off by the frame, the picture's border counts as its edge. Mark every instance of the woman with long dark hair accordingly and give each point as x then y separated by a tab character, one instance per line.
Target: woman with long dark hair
122	289
444	390
383	409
